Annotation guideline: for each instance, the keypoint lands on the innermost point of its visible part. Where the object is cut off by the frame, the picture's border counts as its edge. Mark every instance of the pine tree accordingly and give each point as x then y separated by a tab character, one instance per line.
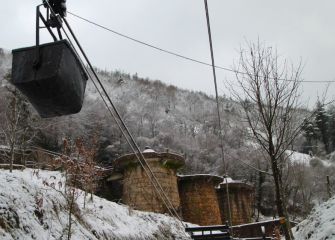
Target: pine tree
310	133
322	122
331	114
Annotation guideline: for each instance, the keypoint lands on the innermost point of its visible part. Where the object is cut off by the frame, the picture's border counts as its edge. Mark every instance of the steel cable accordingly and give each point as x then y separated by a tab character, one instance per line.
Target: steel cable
133	146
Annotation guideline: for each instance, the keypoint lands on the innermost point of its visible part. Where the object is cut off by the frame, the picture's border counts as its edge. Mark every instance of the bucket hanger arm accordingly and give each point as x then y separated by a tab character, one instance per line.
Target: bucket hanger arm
53	20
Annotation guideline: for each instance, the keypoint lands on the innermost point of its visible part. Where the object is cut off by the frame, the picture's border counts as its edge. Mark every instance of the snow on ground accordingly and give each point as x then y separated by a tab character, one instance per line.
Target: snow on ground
320	225
31	210
297	157
302	158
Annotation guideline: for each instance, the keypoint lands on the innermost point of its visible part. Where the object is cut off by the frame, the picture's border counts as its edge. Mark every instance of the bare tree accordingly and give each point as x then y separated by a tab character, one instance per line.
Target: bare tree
271	108
90	172
72	171
17	129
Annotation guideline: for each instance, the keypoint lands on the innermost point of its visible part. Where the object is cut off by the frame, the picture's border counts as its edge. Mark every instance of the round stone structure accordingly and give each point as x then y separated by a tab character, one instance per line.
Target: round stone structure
241	198
138	191
199	202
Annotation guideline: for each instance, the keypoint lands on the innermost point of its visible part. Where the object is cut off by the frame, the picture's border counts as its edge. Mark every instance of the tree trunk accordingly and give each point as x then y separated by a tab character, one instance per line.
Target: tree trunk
281	210
328	188
12	156
85	199
259	193
70	215
13	136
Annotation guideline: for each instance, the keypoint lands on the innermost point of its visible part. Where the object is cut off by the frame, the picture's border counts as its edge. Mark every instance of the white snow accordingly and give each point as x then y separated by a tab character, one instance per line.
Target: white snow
149	150
23	216
229	180
320	225
4	147
302	158
200	174
297	157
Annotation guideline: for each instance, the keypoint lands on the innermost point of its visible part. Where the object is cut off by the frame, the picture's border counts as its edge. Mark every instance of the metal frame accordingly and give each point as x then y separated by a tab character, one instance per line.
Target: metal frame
48	25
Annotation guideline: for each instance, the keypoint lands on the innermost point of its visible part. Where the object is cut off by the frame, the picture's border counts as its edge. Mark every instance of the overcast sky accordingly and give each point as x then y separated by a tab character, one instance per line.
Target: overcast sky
298	29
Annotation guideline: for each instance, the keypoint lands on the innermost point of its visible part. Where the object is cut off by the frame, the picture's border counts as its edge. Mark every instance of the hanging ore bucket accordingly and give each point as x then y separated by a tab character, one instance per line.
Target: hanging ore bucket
51	76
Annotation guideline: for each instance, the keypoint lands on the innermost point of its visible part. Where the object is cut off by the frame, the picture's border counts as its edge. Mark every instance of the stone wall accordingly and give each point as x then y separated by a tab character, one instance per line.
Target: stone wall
200	198
110	190
139	193
199	202
241	198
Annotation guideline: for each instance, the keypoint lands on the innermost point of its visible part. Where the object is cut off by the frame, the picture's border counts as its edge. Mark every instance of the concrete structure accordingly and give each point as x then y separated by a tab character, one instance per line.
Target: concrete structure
241	198
200	199
138	192
199	202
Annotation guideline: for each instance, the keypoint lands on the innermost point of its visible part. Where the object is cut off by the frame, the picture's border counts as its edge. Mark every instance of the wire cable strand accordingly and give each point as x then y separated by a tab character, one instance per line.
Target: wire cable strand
122	131
125	131
180	55
218	110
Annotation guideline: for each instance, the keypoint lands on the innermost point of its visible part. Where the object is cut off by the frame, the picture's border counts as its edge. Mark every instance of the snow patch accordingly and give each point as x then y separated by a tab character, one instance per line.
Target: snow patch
297	157
305	159
31	210
320	225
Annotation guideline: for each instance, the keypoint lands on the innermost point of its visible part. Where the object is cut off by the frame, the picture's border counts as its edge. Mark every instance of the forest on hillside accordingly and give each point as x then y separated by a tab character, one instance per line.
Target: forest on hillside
165	117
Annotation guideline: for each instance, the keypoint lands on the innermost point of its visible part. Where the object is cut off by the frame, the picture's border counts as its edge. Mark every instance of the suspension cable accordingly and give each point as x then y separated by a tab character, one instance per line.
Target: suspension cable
122	125
180	55
218	111
120	128
126	131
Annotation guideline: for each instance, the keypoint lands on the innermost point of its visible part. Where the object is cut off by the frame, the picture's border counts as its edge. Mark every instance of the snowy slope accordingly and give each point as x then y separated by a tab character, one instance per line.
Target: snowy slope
320	225
24	216
297	157
305	159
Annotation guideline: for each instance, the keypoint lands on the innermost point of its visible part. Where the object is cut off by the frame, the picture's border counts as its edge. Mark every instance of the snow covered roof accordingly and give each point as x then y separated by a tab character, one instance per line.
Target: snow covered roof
207	177
199	175
147	150
228	180
168	159
236	185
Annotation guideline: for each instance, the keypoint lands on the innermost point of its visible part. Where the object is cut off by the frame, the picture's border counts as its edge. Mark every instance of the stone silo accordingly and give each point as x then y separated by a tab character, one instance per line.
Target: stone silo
241	198
199	202
138	192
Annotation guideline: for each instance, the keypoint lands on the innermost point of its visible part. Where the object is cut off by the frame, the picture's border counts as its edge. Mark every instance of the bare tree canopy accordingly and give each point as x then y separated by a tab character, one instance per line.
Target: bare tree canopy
271	107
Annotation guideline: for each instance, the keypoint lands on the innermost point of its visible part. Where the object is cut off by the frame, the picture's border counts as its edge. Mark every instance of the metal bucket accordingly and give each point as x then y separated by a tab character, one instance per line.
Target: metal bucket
56	86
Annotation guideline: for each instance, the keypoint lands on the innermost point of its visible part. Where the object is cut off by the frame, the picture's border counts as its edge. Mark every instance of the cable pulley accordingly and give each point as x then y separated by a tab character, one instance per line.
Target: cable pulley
58	6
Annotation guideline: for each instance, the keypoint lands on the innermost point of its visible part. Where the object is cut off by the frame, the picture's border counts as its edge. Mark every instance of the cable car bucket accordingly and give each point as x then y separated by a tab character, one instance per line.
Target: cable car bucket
50	75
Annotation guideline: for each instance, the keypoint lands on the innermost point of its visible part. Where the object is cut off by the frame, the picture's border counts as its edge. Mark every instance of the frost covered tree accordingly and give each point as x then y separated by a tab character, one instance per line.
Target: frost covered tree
310	134
271	109
331	112
17	127
322	122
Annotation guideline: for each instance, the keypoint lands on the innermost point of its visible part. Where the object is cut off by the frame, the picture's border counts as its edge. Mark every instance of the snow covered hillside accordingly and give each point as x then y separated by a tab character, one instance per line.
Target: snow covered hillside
29	209
320	225
305	159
